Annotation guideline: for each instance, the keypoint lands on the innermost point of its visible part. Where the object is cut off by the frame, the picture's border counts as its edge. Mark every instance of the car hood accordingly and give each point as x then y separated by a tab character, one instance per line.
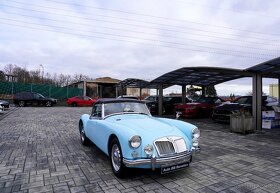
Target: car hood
50	99
231	106
188	105
4	102
143	124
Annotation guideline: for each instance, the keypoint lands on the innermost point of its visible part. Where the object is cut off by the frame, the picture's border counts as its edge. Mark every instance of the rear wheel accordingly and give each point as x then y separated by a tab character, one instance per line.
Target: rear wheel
116	157
74	104
48	104
199	113
21	103
83	137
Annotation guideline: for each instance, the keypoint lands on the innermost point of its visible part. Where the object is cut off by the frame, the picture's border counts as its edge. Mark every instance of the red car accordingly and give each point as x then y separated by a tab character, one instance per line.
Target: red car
203	107
81	101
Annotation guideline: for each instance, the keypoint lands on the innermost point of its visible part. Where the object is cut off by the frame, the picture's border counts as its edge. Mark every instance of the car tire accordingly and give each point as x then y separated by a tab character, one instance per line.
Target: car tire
116	157
199	114
163	111
48	104
84	140
21	103
74	104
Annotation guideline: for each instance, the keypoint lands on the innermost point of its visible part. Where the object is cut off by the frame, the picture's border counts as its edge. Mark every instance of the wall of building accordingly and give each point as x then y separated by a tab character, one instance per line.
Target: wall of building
273	90
136	92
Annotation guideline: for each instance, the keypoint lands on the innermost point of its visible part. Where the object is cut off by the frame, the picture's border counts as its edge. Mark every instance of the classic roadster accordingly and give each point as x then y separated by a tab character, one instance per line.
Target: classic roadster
125	130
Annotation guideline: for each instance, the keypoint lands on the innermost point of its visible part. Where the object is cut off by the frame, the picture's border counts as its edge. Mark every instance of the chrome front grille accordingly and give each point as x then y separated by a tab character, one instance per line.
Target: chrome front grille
165	147
170	145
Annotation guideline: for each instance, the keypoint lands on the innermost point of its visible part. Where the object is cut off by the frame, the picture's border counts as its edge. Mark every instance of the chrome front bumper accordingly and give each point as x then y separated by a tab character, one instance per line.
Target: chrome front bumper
185	157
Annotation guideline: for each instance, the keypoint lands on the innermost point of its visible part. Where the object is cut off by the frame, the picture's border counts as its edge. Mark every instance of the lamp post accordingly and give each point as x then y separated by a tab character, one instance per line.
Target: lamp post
42	74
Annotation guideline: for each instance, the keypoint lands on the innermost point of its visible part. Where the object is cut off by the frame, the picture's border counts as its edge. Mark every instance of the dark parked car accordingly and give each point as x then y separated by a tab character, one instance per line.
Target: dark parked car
4	105
31	98
81	101
151	98
222	113
168	104
203	107
128	97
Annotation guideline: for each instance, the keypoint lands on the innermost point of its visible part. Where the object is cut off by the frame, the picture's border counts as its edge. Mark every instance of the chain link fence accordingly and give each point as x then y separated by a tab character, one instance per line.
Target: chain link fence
8	89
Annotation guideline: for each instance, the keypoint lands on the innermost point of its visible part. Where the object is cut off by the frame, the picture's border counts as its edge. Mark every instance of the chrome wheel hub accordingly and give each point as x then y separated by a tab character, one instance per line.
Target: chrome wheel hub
83	135
116	157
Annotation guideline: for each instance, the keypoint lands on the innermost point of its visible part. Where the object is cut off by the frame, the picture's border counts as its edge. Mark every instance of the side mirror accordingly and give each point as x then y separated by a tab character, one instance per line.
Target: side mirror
178	114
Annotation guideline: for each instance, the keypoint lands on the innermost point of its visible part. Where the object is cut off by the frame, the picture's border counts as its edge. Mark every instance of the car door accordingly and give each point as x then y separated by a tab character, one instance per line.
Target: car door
79	101
36	99
87	101
94	128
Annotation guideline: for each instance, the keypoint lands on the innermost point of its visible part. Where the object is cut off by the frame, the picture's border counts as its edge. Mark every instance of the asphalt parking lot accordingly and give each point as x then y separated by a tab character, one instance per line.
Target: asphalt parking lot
40	151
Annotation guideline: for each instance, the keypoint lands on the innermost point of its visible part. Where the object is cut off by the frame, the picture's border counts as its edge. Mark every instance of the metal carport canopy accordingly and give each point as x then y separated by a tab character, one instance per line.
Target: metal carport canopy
200	76
138	83
268	69
133	83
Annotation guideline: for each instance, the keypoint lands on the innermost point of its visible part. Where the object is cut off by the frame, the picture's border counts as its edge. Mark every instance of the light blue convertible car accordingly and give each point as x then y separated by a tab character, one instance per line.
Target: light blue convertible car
125	130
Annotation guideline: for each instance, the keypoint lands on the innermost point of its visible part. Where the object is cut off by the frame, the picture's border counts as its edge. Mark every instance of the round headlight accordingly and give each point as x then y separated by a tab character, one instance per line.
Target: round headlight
148	149
196	133
135	141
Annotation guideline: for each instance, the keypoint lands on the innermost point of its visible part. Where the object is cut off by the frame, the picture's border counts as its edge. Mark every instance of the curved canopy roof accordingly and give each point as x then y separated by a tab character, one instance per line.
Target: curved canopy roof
205	76
138	83
269	69
133	83
200	76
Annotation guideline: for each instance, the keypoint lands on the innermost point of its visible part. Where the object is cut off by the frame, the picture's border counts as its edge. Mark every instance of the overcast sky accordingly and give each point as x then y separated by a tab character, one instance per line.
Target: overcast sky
140	39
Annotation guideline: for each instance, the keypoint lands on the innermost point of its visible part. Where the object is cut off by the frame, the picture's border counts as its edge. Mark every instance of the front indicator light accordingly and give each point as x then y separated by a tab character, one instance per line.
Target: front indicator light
148	149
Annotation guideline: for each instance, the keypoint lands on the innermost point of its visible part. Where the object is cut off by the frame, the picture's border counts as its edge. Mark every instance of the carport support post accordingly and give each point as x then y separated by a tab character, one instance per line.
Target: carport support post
140	93
184	94
278	92
257	102
160	96
203	93
85	88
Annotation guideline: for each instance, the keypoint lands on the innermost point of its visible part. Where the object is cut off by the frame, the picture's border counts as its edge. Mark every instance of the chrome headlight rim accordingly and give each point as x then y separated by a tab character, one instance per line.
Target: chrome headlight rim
135	141
195	136
195	133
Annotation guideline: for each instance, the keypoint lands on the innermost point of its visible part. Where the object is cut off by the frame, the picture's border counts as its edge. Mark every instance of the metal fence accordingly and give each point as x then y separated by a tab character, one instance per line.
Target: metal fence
8	89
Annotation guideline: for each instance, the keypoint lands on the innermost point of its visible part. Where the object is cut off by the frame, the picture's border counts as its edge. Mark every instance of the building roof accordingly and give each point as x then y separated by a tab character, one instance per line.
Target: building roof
104	80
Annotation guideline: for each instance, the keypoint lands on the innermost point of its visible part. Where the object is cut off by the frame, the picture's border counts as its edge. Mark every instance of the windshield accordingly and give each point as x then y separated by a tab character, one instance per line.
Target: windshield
167	99
40	96
151	98
125	107
204	100
244	100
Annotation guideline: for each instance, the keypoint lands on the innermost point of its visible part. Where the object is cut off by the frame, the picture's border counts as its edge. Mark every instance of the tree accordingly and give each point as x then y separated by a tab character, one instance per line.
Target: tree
2	76
9	68
79	77
210	91
35	76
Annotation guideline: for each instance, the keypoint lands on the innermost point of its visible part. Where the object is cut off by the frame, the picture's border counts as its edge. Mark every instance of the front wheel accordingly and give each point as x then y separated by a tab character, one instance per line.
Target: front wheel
21	103
83	137
116	157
